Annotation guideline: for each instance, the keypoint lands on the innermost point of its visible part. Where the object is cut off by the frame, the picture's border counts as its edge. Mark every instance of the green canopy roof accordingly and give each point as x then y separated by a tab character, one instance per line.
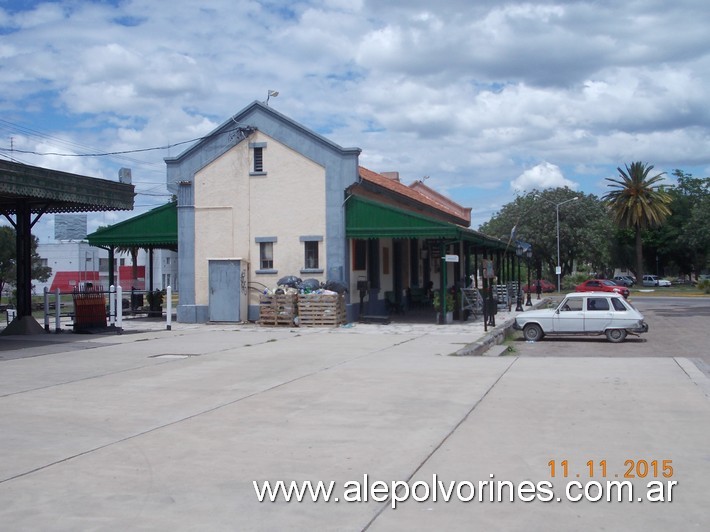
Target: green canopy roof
369	219
156	228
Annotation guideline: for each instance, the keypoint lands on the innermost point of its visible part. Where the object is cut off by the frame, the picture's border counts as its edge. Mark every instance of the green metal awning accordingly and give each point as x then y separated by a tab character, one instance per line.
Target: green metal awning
369	219
156	228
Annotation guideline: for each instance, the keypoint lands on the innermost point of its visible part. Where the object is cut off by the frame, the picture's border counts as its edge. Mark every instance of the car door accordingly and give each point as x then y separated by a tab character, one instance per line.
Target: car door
569	317
598	314
592	286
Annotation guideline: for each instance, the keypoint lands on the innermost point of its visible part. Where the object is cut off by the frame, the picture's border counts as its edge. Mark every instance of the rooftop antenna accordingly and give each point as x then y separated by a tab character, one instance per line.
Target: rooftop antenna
269	94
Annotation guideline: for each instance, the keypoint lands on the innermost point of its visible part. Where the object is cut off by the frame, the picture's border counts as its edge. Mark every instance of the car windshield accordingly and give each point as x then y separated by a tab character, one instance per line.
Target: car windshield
609	283
629	304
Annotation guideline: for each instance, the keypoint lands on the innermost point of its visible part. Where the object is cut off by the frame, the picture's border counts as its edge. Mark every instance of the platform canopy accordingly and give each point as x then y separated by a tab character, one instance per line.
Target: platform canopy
43	190
156	228
370	219
30	190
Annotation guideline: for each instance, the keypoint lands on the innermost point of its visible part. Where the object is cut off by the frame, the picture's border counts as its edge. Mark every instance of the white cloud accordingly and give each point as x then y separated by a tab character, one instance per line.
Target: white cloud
539	177
470	93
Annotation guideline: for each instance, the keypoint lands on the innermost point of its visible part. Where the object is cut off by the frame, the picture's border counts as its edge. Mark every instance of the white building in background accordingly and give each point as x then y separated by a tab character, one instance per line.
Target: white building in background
75	263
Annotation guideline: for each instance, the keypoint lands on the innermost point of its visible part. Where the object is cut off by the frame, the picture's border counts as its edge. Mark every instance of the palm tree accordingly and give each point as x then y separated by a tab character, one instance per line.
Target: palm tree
637	203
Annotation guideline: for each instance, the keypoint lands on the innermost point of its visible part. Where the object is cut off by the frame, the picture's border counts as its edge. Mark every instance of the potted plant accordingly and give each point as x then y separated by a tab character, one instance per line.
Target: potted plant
155	302
449	305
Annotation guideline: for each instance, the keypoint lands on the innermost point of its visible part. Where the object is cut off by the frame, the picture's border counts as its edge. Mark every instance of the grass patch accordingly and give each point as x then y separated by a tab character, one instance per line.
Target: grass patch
509	343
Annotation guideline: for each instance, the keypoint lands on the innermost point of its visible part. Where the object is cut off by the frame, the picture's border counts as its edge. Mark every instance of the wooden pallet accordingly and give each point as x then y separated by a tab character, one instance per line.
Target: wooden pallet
278	309
321	310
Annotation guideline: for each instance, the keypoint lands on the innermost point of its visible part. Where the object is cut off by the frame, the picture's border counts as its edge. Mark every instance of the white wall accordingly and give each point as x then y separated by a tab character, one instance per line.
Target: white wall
81	257
233	208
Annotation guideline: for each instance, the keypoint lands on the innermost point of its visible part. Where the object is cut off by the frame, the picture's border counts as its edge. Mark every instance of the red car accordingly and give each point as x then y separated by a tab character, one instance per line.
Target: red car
601	285
546	286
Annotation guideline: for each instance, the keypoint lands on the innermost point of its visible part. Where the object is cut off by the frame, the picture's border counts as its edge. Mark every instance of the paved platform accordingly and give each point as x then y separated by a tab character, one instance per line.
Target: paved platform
167	430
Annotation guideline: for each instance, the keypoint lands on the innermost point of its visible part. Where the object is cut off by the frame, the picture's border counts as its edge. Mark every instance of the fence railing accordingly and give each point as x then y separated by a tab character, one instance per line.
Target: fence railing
96	308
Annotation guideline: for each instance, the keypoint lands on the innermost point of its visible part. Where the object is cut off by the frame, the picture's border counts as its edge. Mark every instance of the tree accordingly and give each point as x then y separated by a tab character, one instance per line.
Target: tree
637	203
700	235
678	246
8	259
693	236
584	229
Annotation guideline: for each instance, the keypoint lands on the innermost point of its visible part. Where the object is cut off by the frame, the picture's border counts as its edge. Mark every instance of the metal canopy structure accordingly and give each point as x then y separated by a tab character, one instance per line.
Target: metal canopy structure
369	219
156	229
27	191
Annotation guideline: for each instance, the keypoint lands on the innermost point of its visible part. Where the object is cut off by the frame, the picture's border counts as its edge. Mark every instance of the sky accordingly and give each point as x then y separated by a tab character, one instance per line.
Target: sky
485	99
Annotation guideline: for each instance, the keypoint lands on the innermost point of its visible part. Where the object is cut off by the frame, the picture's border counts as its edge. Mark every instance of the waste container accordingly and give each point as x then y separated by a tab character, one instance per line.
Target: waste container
136	301
491	307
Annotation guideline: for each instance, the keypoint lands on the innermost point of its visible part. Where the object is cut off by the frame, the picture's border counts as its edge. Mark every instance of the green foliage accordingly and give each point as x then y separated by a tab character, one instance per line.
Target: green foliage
704	286
637	202
155	299
569	282
584	229
7	256
8	259
682	243
449	300
590	239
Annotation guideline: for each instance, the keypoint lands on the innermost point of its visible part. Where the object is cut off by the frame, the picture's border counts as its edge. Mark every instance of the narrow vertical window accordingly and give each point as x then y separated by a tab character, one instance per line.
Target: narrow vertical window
258	159
311	249
266	255
359	254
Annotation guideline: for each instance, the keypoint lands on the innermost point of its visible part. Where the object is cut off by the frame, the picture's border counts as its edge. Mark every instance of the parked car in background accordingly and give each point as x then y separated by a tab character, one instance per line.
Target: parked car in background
545	285
624	280
654	280
602	285
650	280
589	313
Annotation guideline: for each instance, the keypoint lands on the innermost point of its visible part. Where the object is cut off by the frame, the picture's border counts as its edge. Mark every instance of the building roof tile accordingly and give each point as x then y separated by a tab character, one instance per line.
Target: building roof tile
420	193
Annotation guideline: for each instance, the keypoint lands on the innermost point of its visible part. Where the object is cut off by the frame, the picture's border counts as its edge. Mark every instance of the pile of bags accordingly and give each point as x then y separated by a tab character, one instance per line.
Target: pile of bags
291	284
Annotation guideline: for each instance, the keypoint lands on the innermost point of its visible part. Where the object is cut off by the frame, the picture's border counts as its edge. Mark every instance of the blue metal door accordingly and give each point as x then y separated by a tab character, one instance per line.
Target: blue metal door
224	290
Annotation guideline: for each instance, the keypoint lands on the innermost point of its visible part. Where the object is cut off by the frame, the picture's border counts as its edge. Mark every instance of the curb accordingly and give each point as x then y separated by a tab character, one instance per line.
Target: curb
491	338
495	336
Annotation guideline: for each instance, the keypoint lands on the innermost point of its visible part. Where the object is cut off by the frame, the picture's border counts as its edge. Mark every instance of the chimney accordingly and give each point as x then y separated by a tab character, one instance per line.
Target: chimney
394	176
124	176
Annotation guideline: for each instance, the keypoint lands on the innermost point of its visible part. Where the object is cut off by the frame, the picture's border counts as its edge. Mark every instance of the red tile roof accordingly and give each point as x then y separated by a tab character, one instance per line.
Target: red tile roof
421	194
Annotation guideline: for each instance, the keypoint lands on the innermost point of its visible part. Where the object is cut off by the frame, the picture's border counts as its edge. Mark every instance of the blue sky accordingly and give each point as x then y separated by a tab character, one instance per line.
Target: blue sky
487	98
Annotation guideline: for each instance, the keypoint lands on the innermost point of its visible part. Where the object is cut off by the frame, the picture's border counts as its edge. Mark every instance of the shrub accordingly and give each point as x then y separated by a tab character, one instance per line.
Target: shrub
450	301
570	281
704	286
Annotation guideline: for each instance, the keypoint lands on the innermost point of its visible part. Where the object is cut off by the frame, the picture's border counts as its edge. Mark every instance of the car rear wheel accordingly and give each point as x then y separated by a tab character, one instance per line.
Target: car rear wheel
532	332
616	335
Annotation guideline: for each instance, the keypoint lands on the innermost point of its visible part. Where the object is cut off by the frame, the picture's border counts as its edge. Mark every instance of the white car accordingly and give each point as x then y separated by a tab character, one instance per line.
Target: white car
654	280
588	313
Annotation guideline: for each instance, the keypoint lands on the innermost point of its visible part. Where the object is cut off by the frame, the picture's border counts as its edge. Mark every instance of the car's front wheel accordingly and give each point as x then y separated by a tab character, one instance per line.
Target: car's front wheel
616	335
532	332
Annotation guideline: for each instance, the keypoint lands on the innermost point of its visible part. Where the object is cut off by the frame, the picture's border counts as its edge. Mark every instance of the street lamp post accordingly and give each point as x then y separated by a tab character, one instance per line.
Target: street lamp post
528	254
558	269
519	301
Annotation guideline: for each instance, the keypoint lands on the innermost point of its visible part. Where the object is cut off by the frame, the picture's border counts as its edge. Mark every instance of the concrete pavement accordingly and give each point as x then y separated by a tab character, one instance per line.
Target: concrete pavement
167	430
